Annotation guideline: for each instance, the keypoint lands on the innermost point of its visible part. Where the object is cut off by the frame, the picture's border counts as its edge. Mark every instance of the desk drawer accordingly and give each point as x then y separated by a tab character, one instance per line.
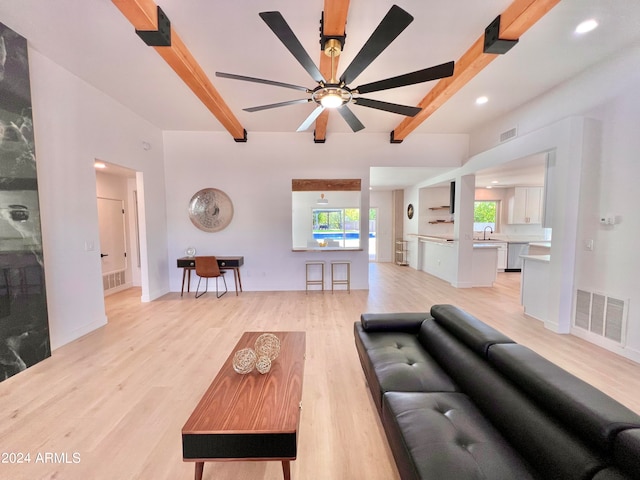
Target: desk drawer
230	262
186	262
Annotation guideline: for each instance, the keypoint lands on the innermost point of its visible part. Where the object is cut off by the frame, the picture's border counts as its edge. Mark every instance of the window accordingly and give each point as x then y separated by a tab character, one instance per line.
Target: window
337	226
325	213
485	214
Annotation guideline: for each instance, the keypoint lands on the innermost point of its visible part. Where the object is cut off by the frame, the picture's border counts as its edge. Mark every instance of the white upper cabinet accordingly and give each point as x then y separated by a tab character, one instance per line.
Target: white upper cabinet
525	205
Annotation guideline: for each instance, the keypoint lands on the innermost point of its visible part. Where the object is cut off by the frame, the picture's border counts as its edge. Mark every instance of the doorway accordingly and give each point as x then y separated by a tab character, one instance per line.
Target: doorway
116	196
373	229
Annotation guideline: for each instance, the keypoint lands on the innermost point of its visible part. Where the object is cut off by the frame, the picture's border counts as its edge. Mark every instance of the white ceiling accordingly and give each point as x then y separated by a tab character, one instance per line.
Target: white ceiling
92	39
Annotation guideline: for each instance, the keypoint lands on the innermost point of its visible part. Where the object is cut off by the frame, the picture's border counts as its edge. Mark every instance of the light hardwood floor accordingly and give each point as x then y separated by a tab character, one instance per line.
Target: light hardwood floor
120	395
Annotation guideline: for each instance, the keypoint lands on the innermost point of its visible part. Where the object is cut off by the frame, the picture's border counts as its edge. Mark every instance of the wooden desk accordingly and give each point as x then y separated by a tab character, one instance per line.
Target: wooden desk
250	417
225	263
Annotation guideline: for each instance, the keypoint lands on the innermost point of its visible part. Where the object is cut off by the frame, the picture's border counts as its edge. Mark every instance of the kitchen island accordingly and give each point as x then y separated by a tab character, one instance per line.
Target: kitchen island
438	256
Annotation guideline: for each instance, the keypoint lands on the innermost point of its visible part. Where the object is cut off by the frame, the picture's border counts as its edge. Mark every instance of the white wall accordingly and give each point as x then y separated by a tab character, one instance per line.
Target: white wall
610	187
604	163
577	96
431	198
74	124
257	177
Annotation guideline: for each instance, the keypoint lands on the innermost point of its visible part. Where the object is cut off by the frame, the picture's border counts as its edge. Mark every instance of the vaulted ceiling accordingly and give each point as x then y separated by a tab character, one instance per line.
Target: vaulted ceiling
95	39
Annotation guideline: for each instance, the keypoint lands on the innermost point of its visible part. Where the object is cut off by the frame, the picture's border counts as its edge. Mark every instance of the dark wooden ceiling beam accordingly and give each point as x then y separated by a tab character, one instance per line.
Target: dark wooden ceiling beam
335	21
514	22
143	16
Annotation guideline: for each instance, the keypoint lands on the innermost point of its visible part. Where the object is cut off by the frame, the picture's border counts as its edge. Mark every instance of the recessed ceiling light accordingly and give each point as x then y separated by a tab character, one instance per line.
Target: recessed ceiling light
99	165
494	181
481	100
586	26
489	186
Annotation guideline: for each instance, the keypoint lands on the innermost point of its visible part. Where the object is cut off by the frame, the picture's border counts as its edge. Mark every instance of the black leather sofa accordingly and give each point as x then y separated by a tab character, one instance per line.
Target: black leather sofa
460	400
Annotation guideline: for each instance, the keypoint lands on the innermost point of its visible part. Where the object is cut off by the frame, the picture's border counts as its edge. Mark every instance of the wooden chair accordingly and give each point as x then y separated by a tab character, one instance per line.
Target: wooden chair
207	267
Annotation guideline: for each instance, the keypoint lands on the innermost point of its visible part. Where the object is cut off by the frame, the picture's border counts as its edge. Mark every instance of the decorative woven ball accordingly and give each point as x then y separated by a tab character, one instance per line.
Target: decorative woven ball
263	365
244	360
268	345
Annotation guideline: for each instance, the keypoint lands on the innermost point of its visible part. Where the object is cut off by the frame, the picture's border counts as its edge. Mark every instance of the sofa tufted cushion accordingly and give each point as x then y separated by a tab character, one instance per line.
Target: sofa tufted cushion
554	451
475	334
443	436
397	361
584	409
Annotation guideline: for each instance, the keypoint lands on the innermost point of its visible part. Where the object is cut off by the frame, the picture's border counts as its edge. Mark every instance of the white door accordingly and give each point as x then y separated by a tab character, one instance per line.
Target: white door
112	236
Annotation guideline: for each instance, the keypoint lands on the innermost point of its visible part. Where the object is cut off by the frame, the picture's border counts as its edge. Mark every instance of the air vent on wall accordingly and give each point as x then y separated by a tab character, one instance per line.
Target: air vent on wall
600	314
509	134
113	280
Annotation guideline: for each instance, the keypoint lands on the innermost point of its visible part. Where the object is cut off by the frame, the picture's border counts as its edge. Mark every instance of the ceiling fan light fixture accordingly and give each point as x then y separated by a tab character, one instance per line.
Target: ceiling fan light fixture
331	96
331	100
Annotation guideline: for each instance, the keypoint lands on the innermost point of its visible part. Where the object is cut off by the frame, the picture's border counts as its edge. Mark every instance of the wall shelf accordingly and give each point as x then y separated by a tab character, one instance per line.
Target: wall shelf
436	222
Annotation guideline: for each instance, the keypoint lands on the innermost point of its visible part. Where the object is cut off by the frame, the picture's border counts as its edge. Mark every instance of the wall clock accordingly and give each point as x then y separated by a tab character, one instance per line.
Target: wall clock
410	211
210	210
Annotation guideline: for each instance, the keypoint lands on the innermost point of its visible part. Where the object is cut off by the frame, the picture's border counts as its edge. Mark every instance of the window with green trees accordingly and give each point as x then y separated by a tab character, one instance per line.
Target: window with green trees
341	225
485	214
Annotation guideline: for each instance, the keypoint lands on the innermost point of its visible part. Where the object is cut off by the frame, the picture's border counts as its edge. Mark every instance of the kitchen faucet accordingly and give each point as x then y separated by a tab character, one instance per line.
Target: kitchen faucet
484	235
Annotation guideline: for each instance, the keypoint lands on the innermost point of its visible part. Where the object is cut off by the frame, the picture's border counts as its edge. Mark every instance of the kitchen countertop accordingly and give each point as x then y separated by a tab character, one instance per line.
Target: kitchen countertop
482	244
434	238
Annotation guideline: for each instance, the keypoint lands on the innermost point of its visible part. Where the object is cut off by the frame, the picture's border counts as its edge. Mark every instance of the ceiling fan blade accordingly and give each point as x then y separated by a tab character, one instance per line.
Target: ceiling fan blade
431	73
310	119
276	105
350	118
233	76
387	107
392	25
280	27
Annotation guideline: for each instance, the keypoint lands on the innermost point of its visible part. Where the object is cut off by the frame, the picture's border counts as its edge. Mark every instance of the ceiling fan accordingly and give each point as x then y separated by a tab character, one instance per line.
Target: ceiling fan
335	93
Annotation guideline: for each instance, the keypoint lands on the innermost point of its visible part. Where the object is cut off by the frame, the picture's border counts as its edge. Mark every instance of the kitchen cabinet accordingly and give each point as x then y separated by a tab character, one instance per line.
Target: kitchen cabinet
525	206
502	249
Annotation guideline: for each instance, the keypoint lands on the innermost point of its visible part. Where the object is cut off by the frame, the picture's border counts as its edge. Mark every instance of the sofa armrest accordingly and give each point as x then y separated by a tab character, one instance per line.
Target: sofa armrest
393	322
626	451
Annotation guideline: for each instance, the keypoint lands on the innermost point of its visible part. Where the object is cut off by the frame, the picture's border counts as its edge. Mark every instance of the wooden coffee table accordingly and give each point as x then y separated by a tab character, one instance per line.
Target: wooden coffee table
253	416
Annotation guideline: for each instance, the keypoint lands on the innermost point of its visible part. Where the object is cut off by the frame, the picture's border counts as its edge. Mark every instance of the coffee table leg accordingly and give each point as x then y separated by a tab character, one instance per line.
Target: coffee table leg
286	469
199	470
